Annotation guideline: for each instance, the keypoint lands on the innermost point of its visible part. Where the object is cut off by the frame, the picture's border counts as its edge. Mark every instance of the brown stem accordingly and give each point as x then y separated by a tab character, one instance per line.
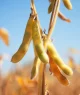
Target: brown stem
53	17
35	13
61	16
51	27
41	80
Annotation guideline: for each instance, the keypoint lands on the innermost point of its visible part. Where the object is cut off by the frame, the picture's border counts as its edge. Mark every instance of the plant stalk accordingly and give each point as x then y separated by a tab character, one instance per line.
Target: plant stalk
53	18
41	79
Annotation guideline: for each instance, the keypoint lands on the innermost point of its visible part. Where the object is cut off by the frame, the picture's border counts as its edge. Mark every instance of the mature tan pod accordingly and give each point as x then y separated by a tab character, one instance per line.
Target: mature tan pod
61	16
67	4
38	43
56	71
25	43
4	36
56	58
35	67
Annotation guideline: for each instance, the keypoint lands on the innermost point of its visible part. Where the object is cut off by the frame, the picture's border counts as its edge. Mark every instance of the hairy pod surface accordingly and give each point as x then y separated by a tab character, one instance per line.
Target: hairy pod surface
35	68
38	43
56	58
56	71
67	4
25	43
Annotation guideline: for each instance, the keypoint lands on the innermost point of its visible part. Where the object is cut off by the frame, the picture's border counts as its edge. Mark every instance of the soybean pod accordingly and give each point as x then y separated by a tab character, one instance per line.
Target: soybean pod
35	68
56	58
25	43
57	72
38	43
67	4
61	16
4	36
50	7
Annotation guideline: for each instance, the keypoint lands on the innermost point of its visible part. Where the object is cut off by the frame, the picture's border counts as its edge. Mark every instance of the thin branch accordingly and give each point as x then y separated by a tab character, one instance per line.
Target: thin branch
51	26
53	18
35	13
33	7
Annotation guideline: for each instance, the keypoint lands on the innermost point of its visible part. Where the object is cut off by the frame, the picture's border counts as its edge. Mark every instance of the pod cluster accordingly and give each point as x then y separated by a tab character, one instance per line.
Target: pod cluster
32	32
50	55
57	66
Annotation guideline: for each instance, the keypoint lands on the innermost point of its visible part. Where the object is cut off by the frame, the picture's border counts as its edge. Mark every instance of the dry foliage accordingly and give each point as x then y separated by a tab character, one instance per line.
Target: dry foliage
18	83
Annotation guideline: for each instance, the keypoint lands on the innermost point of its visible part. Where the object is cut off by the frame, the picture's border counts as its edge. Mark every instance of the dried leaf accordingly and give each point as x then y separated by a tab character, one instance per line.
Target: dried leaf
20	81
25	82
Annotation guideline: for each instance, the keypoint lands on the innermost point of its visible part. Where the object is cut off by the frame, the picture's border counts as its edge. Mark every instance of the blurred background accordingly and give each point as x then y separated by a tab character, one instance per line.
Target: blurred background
14	15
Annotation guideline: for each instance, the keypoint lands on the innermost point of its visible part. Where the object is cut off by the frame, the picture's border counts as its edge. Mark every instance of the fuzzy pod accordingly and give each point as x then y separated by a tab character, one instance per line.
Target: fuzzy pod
56	58
25	43
67	4
56	71
35	68
38	43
